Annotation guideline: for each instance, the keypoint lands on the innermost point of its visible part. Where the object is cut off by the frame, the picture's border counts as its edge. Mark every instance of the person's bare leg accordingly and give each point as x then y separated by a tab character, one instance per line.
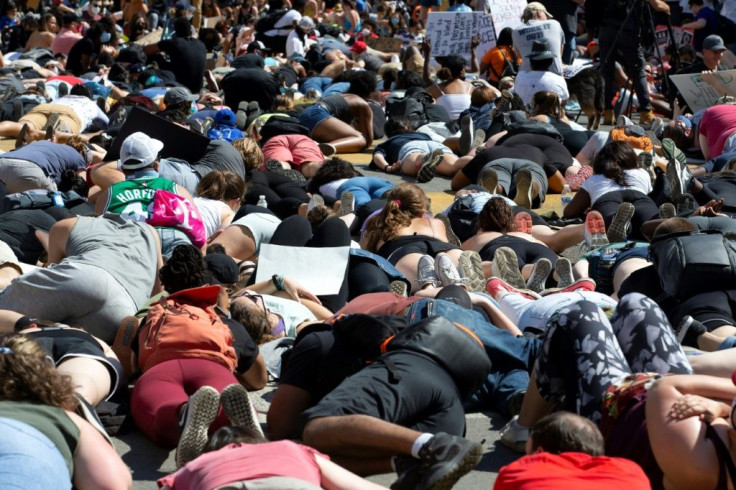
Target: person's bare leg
556	182
721	363
580	269
238	241
450	164
8	319
534	407
359	436
90	378
711	341
364	466
345	138
11	129
559	240
407	265
625	269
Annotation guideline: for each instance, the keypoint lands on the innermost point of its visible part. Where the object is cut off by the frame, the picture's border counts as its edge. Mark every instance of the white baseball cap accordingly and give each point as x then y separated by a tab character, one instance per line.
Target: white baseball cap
139	151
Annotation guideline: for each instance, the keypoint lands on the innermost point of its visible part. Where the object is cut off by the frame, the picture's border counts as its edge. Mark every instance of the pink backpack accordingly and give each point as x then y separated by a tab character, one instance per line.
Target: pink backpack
174	211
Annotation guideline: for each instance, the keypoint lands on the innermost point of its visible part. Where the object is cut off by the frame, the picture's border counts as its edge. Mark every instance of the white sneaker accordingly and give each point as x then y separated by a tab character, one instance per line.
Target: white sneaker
425	272
446	270
514	436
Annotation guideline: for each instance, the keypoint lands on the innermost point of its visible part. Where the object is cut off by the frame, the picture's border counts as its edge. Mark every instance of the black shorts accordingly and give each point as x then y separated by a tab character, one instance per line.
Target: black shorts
62	344
399	247
401	387
711	309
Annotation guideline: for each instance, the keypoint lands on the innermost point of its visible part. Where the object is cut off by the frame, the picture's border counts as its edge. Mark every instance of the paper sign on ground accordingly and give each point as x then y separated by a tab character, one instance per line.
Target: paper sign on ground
697	93
450	33
300	264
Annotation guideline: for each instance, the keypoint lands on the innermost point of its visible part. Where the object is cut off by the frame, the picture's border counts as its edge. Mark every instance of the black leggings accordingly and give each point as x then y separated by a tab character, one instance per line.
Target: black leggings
282	195
645	209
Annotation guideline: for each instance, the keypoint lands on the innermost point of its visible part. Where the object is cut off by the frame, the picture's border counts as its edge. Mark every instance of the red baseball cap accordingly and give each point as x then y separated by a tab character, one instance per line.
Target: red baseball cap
359	47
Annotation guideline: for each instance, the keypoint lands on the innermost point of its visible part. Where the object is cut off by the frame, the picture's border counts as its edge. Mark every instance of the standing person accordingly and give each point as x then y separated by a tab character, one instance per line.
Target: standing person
537	26
620	38
187	55
566	13
704	25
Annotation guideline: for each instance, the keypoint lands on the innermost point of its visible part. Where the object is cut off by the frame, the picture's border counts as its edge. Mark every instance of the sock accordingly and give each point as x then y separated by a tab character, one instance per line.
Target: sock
419	442
517	425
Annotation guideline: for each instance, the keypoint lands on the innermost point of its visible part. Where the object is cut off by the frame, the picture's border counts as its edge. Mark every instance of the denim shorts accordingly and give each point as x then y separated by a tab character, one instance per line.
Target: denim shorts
313	115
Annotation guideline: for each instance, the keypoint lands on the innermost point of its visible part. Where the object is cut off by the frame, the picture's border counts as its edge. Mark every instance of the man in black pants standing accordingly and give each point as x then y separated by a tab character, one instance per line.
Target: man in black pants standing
187	55
620	37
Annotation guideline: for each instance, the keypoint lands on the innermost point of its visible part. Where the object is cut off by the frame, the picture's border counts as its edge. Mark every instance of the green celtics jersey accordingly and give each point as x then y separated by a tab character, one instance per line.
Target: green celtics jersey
132	199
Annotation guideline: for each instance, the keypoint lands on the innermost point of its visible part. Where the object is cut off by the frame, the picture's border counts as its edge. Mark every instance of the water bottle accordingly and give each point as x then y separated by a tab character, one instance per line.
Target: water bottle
262	201
57	199
566	196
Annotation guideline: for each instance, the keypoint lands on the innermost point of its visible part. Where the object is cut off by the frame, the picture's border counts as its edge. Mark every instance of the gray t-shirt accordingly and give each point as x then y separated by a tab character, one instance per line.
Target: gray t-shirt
125	249
536	30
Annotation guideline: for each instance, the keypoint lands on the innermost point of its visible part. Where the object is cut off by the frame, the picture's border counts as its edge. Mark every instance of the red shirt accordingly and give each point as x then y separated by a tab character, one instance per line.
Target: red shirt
571	471
717	124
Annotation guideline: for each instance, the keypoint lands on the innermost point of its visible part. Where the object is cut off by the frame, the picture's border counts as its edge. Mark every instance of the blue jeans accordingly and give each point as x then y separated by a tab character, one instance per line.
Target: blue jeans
317	83
29	460
336	88
718	163
365	188
170	239
512	357
568	50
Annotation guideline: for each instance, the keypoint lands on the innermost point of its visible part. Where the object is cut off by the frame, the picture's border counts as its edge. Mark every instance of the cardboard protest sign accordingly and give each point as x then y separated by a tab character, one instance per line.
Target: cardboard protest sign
384	44
208	22
506	13
697	93
179	142
450	33
151	38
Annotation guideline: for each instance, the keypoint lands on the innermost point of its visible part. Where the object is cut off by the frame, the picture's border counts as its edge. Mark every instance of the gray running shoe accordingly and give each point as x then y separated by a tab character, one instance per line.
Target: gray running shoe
538	279
199	413
619	228
523	195
505	265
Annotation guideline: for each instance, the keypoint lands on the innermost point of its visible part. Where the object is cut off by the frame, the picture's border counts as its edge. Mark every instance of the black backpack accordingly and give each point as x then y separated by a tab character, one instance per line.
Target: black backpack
411	106
281	124
510	66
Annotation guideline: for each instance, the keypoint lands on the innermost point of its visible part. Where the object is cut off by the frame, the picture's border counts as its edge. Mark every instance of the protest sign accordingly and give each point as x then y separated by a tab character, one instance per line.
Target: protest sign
152	38
682	36
384	44
506	13
450	33
700	95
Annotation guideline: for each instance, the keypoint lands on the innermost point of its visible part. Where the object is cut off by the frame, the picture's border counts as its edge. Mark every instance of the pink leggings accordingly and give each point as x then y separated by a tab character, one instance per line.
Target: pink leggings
161	390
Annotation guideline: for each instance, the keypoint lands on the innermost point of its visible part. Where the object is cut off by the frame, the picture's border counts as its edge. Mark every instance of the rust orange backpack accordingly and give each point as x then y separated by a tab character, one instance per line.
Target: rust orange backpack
185	326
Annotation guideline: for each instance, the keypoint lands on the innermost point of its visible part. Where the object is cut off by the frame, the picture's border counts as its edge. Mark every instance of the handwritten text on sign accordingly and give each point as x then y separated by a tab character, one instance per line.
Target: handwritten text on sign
506	13
697	93
450	33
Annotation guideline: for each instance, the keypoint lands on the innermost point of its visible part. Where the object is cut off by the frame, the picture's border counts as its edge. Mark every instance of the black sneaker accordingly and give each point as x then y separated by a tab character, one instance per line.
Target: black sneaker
689	325
445	459
618	231
685	203
467	132
408	469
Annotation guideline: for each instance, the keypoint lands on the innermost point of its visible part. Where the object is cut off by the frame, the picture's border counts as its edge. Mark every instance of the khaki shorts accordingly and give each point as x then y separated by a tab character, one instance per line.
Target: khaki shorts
69	122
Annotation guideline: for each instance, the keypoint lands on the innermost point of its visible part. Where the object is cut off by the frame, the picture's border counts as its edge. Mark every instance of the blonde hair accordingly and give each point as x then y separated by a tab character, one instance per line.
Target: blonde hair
283	102
250	152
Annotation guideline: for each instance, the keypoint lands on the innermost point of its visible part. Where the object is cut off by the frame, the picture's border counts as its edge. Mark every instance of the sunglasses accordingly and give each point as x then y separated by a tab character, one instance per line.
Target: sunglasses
257	299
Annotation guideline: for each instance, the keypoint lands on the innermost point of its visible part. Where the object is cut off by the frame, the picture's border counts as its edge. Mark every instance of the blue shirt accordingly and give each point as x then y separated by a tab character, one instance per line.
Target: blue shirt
53	158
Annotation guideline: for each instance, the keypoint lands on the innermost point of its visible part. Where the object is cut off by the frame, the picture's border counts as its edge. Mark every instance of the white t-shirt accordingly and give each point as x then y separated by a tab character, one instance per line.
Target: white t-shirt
295	45
211	211
85	108
599	185
536	30
529	83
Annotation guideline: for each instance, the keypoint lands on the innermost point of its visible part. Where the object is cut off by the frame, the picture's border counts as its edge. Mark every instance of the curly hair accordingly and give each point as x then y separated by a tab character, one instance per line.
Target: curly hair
221	185
613	159
362	83
405	202
250	152
334	169
496	215
184	270
27	375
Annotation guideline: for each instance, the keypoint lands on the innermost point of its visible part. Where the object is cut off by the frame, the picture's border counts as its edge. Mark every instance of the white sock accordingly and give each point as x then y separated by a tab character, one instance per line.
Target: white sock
420	441
517	425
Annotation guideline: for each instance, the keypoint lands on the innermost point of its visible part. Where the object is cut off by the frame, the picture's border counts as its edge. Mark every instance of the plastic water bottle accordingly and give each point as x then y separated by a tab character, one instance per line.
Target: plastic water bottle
566	196
262	201
57	199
